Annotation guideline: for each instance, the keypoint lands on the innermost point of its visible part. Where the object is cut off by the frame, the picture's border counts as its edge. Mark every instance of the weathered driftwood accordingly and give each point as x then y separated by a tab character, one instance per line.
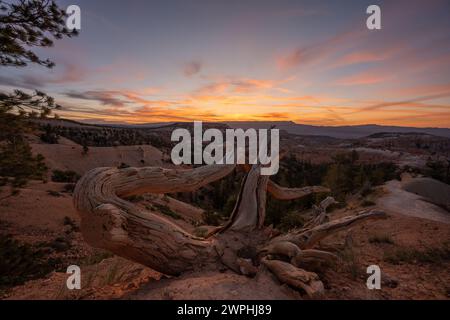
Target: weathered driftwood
296	277
320	213
282	193
110	222
306	239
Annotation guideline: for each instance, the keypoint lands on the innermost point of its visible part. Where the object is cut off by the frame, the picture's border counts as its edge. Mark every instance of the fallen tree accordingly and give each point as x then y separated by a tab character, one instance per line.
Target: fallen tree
243	244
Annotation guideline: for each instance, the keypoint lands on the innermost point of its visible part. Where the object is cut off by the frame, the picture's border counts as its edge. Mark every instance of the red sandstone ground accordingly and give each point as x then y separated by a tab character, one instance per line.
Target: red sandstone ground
411	246
34	216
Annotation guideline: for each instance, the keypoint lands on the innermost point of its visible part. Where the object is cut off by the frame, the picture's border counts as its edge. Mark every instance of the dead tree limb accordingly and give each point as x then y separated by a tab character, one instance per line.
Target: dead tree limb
111	222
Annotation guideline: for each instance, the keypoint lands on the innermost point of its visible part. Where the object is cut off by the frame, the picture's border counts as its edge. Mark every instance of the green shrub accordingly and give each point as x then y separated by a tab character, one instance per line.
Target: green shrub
65	176
439	170
411	255
112	274
18	164
167	211
50	135
85	150
290	221
367	203
211	218
381	238
351	262
135	198
67	221
200	232
95	258
21	262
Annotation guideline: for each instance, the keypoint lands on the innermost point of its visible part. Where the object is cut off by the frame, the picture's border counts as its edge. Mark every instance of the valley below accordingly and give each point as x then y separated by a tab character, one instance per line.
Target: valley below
40	228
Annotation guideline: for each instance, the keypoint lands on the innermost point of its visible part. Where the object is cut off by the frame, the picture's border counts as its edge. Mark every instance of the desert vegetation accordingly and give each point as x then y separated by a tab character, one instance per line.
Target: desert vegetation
344	175
106	136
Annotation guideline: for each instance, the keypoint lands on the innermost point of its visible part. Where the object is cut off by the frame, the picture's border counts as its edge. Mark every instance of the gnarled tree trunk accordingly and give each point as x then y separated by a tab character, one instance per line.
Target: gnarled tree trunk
110	222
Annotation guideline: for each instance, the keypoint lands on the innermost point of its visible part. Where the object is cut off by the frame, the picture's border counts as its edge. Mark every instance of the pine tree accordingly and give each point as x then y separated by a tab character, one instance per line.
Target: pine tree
24	25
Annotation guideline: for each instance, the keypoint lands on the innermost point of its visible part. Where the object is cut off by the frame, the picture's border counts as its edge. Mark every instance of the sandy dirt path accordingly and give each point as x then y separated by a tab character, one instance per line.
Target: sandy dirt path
403	202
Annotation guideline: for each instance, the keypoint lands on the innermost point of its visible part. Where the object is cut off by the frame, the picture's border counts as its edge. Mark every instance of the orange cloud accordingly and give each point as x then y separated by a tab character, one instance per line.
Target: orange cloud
359	57
247	99
316	52
239	86
365	56
328	116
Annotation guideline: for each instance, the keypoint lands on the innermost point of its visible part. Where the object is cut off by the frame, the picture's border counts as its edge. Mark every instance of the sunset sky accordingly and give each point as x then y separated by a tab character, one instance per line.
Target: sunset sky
311	62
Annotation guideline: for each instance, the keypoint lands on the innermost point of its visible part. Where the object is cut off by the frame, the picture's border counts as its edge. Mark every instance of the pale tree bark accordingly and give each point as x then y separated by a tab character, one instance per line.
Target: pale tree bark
110	222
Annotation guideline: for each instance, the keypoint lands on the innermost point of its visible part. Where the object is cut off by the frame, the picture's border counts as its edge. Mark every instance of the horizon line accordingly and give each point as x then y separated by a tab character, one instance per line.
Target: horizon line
106	123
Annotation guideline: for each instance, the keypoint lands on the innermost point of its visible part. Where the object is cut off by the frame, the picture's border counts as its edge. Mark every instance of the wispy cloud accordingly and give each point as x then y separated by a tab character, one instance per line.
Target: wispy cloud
316	52
408	102
116	98
65	73
240	86
359	57
109	98
25	82
192	68
422	89
364	78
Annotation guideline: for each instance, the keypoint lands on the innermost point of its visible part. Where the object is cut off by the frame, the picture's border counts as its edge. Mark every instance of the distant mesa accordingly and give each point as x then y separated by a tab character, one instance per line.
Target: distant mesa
342	132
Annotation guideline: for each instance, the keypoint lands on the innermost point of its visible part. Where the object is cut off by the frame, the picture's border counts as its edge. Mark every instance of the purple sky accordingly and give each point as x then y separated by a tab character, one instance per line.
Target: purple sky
312	62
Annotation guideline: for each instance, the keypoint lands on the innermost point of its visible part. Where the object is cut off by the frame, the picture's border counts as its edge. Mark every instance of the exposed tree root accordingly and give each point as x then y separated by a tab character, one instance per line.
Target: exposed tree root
315	260
296	277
